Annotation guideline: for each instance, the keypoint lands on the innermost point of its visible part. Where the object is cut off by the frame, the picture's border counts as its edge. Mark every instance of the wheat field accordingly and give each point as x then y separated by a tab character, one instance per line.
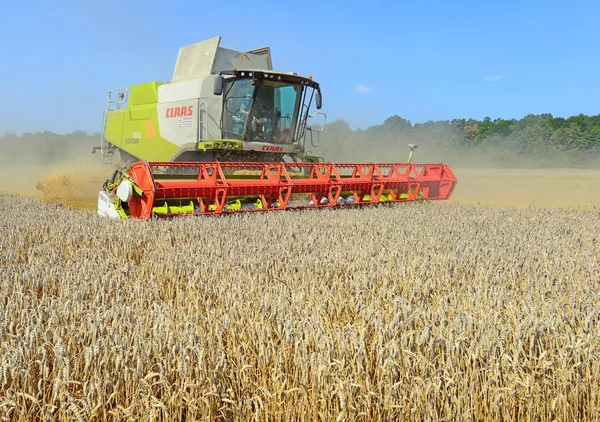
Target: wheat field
436	311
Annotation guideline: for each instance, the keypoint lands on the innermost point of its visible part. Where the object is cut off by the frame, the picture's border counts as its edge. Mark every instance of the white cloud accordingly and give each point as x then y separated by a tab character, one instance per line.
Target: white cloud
492	78
362	89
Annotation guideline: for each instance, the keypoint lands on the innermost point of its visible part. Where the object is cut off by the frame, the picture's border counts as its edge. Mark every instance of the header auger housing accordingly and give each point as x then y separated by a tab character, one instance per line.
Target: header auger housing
228	134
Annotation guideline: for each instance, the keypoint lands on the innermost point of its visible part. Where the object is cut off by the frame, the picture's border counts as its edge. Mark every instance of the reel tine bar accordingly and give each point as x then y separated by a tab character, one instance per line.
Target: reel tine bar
209	186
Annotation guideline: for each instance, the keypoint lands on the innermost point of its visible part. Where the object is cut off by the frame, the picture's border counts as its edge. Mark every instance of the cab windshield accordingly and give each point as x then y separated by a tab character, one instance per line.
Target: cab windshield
264	112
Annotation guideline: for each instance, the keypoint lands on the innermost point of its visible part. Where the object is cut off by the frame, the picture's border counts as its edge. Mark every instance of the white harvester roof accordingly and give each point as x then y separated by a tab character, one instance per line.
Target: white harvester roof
196	61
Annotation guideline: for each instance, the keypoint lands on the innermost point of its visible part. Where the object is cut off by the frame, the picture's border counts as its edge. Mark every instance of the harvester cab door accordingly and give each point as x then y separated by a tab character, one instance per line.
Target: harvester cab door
273	116
236	108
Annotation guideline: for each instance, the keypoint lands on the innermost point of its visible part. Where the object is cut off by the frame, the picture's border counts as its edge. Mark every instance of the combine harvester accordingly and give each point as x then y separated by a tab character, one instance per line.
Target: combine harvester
228	134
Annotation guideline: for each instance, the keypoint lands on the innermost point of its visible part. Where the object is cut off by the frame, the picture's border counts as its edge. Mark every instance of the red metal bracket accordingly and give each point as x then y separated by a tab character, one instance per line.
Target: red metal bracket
211	185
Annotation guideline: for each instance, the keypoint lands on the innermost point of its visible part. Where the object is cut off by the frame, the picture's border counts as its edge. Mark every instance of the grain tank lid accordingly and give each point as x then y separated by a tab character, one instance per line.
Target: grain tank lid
199	60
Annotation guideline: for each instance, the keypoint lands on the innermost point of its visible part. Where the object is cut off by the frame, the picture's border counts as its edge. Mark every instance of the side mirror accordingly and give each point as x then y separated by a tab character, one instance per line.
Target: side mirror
319	100
218	88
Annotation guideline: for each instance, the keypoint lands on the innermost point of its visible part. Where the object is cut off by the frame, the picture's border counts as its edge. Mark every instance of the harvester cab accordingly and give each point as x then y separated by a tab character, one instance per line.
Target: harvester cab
221	105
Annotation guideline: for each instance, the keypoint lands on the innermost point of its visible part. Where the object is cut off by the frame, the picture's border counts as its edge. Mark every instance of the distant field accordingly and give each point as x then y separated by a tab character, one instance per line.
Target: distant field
546	188
435	311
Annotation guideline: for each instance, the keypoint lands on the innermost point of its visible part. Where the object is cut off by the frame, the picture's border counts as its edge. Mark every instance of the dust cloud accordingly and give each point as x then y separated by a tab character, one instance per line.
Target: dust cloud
73	180
565	188
75	185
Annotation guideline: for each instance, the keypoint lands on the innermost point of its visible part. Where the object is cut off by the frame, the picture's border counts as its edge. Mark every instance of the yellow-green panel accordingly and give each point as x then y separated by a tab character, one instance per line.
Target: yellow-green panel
136	128
141	137
144	94
114	125
142	112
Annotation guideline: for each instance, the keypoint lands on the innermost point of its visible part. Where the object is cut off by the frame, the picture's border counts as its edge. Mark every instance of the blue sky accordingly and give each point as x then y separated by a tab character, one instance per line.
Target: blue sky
423	60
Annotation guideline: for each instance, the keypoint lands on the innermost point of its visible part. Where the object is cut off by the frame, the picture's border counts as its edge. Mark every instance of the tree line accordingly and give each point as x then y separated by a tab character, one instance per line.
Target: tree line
538	139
